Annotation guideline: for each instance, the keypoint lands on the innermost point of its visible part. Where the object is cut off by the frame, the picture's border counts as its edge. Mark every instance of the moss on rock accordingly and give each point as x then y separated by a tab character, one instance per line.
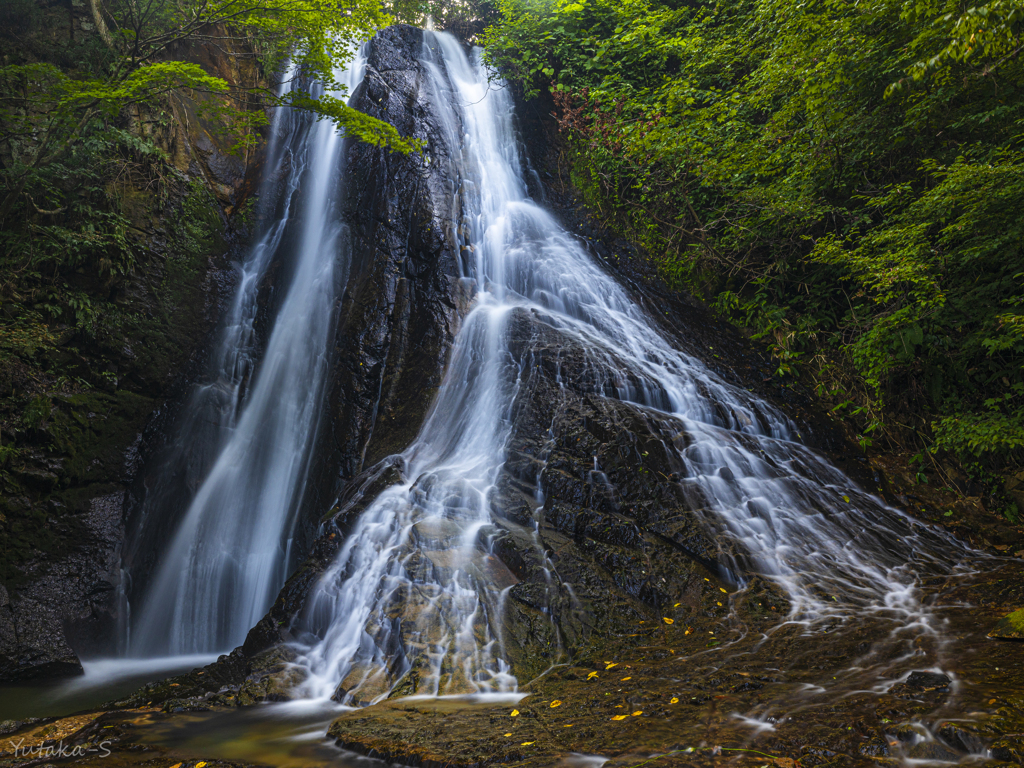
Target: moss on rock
1010	627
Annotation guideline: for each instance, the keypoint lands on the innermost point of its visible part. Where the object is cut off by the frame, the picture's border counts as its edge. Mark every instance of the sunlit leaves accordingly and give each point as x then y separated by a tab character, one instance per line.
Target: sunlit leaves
984	36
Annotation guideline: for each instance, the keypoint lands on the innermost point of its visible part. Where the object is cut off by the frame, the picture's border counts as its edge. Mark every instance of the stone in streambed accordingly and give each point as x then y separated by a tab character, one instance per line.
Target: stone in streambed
1010	627
930	685
363	684
272	677
966	736
1009	749
926	681
454	733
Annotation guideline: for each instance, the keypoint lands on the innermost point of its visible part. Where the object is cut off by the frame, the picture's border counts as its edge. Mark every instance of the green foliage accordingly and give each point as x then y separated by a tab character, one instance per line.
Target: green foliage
71	243
46	112
843	178
463	18
988	35
196	228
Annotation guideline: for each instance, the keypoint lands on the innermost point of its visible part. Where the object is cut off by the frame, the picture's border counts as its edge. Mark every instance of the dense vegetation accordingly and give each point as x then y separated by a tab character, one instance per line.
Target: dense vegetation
846	179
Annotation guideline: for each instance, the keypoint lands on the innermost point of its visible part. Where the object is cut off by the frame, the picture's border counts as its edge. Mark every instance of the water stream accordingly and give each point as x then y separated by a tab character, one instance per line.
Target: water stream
230	552
415	589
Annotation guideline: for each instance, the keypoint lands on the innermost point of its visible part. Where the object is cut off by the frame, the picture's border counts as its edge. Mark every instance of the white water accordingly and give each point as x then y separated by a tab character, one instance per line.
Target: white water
229	554
414	588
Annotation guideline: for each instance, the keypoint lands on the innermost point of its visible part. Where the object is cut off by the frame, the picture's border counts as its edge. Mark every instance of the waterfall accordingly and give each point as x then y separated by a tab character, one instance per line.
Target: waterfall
229	554
415	591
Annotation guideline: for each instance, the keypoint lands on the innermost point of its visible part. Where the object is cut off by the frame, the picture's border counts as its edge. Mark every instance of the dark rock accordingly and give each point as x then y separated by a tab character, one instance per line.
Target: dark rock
966	737
76	597
1009	748
404	299
227	674
29	646
922	685
927	680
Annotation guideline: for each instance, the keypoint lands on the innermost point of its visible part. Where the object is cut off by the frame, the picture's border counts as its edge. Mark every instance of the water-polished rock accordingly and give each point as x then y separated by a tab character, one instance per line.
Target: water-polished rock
404	298
585	565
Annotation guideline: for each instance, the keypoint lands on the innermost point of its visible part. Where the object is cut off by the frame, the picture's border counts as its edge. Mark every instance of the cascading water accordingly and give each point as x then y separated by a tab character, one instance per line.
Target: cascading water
414	587
229	555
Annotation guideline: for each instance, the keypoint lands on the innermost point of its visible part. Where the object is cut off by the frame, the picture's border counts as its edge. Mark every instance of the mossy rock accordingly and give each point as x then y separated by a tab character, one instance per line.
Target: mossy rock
1010	627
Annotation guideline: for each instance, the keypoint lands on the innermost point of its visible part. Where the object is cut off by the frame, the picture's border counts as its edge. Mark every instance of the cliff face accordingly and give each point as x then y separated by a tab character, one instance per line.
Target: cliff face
401	309
400	313
74	415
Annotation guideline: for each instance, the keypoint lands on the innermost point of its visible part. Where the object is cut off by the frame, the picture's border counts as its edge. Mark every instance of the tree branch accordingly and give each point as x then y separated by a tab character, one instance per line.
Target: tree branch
101	24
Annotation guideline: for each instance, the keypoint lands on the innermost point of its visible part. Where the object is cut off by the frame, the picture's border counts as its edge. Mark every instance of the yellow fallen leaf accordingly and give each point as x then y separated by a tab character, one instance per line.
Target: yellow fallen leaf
674	700
592	675
176	765
610	665
200	765
677	605
638	713
567	725
723	590
626	678
556	703
688	631
719	605
507	735
707	579
515	713
527	743
846	499
619	717
668	620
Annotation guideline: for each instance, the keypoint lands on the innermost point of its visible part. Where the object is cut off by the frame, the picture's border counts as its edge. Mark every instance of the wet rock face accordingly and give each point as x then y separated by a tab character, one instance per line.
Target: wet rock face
404	298
614	530
76	597
642	560
27	646
62	510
